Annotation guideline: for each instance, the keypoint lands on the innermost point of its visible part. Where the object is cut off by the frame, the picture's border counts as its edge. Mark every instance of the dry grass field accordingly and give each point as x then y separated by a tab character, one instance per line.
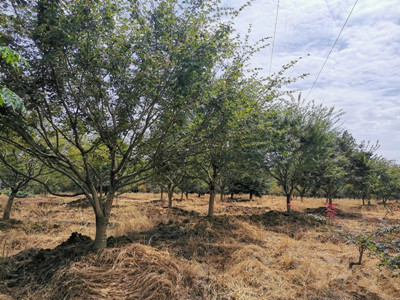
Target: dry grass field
250	250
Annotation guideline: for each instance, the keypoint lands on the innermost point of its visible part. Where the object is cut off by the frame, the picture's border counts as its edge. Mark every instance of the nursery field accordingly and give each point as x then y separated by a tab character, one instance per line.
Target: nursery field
249	250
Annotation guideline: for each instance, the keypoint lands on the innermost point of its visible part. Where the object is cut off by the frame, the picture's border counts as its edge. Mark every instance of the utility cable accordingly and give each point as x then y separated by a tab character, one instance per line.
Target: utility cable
273	39
334	44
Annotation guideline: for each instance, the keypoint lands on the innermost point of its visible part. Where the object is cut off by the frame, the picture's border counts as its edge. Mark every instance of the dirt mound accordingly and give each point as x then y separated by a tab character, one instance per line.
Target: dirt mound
189	238
283	222
80	203
9	224
35	267
132	272
246	210
237	200
322	211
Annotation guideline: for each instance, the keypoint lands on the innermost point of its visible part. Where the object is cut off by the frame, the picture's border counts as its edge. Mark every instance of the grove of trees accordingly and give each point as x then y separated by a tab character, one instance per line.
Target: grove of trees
114	94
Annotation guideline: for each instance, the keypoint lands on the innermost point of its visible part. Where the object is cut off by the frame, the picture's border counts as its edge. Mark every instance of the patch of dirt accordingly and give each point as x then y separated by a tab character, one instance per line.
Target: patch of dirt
246	210
10	224
283	222
237	200
322	211
189	238
34	267
80	203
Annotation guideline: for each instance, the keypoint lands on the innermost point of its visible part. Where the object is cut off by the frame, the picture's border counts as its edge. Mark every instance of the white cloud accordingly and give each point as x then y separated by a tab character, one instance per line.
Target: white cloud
362	75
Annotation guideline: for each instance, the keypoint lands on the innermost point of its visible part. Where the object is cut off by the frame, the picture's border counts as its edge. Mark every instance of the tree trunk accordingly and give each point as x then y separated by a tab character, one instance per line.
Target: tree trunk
231	195
170	195
181	195
222	194
162	194
211	201
187	195
363	200
288	204
212	192
7	209
369	201
251	196
100	241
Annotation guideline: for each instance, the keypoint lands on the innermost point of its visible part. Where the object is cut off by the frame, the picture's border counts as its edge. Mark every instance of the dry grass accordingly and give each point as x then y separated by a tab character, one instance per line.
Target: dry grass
247	260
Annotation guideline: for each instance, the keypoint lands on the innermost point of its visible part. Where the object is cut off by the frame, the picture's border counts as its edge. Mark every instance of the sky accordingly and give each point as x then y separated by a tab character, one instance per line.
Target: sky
361	76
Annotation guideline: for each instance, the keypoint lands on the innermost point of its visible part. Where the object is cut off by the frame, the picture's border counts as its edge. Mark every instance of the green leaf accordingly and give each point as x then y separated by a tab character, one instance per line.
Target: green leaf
10	99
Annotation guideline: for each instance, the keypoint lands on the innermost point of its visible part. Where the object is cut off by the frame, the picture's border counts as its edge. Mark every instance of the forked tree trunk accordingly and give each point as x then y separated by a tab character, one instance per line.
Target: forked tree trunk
102	211
7	209
100	241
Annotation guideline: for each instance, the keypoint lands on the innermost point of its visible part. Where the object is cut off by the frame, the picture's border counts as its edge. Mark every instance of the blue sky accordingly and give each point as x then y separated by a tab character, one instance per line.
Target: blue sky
362	75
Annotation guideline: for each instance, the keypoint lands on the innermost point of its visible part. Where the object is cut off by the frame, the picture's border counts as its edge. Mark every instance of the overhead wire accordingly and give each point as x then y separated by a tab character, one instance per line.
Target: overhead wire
333	46
273	39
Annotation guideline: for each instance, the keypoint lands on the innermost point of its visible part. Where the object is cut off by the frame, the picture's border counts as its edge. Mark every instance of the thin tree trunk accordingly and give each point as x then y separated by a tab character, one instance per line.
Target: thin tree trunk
363	200
162	194
211	201
222	194
170	194
7	209
187	195
231	195
181	195
100	241
288	203
251	196
212	192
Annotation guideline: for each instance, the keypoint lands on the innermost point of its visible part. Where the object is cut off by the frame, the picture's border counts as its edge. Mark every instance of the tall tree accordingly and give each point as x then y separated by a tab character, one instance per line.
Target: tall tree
301	132
110	74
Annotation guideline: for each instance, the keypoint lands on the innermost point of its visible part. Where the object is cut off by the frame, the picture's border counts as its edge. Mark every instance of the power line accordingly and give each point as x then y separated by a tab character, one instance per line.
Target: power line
334	44
273	39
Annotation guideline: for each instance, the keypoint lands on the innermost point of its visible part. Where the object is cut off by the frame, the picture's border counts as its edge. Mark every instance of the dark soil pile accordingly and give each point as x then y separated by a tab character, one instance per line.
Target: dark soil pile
9	224
322	211
283	222
80	203
188	238
33	268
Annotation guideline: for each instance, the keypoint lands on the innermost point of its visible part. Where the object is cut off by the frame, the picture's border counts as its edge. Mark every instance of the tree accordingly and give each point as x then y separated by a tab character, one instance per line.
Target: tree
364	177
387	185
114	75
17	169
301	131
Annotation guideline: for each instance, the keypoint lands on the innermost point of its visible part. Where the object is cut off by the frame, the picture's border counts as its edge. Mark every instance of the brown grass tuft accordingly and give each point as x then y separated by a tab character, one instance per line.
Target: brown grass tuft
133	272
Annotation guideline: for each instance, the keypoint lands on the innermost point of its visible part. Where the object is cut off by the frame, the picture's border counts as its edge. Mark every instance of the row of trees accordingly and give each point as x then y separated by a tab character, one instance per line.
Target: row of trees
119	93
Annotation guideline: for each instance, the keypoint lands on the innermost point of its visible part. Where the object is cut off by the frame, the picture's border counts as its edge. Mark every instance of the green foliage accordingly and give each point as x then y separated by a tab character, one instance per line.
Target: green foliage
7	97
383	243
19	194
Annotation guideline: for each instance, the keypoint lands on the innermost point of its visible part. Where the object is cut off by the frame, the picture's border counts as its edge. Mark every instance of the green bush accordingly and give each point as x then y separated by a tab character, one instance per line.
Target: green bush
20	194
